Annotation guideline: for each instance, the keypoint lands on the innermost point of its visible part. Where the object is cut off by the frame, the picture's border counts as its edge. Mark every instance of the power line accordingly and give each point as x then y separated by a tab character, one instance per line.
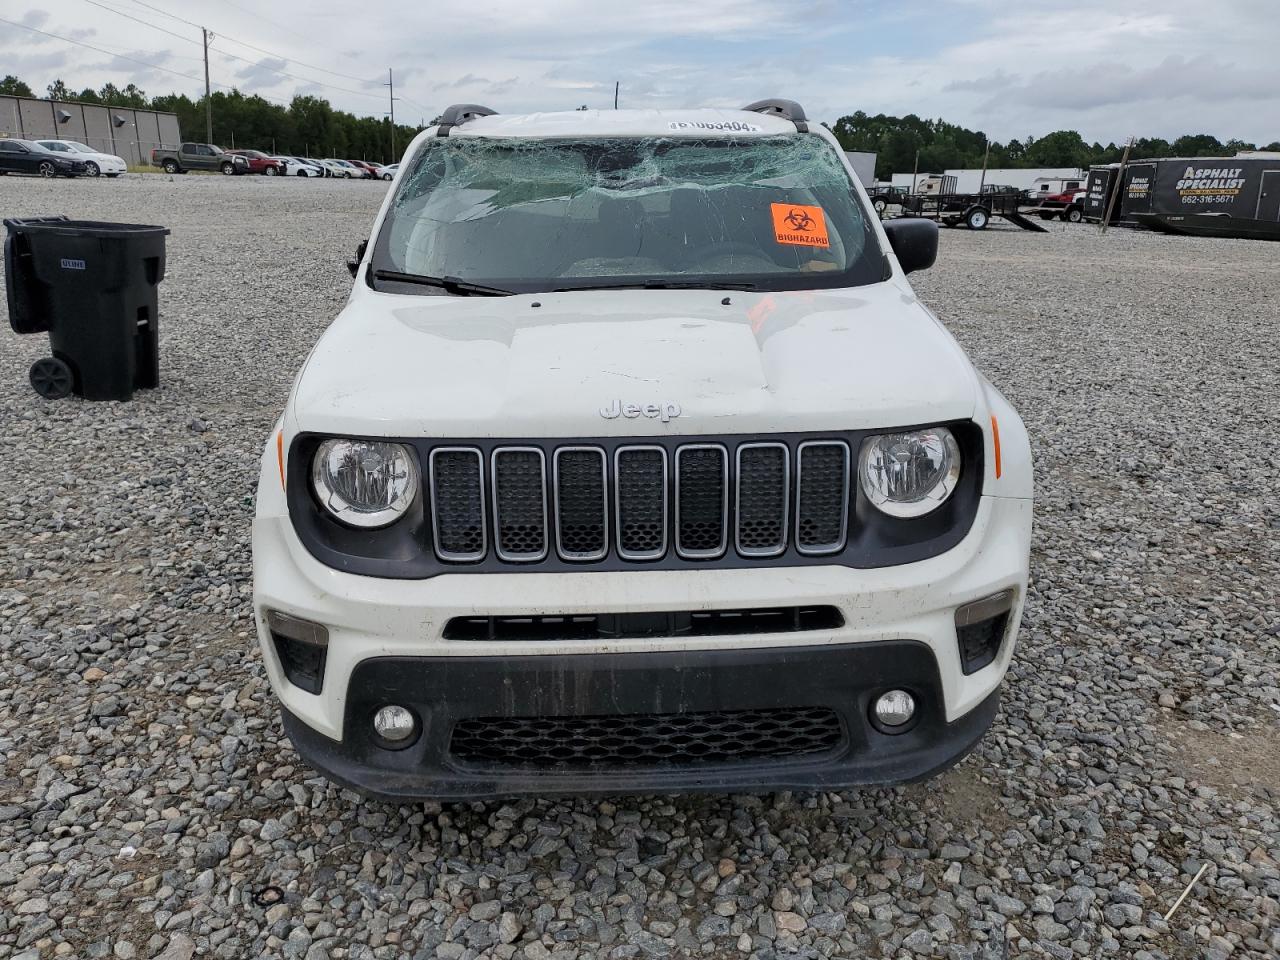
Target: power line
292	32
109	53
232	56
262	50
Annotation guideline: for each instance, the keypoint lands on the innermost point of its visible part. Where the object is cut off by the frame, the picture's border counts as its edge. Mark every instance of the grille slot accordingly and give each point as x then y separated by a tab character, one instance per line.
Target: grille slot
641	502
647	739
520	503
822	496
702	500
632	626
457	504
582	503
764	489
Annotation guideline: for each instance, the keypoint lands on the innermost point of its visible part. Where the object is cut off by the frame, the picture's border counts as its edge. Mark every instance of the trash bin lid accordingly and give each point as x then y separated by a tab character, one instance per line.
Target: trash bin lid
83	228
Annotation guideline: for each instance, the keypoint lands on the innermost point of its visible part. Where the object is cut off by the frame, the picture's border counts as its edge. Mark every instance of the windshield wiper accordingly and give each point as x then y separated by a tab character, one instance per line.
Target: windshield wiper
448	284
660	285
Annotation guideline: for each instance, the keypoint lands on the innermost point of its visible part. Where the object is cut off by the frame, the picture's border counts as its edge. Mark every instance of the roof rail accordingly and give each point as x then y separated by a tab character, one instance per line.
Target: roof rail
460	113
786	109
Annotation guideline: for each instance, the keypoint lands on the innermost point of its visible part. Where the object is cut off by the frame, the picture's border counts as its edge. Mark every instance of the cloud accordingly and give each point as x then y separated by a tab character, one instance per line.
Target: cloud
1008	67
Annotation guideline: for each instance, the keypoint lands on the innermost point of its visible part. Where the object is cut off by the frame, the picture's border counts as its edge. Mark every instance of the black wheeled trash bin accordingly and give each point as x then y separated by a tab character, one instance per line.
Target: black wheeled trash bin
92	287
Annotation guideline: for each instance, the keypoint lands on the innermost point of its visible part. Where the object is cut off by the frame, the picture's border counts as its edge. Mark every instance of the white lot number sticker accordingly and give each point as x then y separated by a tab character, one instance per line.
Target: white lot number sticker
732	126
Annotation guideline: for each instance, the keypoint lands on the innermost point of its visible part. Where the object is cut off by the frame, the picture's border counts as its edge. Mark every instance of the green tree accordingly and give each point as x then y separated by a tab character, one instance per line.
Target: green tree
58	90
11	86
1062	148
1197	145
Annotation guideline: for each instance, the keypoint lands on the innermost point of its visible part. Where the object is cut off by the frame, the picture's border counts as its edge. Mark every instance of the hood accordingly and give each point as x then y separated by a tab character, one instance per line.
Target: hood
621	363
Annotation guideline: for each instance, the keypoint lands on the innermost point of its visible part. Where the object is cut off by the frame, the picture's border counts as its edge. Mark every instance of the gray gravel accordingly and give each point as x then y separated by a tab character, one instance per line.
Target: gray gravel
147	795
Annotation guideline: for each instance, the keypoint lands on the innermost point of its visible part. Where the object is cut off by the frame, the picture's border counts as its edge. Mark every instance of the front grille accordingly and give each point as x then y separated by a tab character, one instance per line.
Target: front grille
822	497
582	503
457	504
641	506
631	626
702	500
639	503
646	740
520	504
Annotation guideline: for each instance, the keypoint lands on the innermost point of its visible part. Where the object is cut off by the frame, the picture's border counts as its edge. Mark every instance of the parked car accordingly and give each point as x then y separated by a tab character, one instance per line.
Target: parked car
390	170
549	510
27	156
199	156
324	168
260	162
95	162
1068	206
370	168
297	167
346	169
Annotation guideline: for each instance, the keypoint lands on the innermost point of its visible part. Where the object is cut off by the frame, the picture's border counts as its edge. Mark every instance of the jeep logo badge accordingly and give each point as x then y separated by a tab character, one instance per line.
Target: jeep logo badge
654	411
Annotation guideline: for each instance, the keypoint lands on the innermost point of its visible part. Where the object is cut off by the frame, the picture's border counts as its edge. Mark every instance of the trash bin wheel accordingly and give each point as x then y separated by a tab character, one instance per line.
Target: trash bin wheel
51	378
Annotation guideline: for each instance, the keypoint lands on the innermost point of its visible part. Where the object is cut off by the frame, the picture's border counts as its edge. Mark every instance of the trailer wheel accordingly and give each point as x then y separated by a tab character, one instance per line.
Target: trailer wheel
1075	215
976	218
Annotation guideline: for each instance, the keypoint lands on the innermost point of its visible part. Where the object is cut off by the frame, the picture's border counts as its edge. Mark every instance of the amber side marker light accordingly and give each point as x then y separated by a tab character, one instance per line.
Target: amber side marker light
995	438
280	454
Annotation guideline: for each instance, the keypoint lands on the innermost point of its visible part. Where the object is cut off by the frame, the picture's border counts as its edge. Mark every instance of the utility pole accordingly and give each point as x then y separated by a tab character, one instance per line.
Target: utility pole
1115	184
391	84
208	100
616	85
986	153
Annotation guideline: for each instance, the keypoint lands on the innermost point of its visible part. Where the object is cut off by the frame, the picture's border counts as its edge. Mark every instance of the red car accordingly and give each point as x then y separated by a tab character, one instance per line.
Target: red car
259	162
369	169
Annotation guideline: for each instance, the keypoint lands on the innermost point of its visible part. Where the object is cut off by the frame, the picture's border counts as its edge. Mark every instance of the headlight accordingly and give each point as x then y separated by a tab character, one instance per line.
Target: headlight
363	483
910	474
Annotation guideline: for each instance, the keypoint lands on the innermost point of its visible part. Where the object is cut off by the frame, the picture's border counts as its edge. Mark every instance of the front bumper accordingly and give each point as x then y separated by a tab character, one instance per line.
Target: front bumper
385	639
514	696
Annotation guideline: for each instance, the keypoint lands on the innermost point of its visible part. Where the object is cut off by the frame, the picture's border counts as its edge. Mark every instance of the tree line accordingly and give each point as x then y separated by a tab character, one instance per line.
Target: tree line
903	144
308	126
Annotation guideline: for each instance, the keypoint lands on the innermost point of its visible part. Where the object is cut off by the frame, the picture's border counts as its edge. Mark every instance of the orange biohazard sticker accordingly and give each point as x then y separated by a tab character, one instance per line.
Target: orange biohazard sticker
800	226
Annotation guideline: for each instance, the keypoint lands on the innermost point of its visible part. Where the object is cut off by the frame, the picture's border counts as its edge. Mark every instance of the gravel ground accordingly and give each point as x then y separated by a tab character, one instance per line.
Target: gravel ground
149	805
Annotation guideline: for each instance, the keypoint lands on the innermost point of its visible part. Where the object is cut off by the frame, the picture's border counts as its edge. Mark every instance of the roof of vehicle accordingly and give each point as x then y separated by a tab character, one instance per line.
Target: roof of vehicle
701	123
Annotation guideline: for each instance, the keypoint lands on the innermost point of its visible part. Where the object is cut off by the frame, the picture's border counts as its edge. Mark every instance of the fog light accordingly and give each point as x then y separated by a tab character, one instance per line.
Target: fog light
895	708
394	723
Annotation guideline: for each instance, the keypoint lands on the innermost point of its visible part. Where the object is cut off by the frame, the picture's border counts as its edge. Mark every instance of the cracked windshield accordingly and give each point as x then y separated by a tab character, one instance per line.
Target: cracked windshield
521	215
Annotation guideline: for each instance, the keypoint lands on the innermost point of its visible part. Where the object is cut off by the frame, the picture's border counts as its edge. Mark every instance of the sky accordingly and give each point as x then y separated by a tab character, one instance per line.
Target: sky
1011	68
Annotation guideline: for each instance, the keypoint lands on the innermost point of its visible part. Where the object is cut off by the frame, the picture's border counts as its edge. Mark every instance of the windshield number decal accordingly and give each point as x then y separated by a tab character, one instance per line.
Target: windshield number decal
733	126
800	226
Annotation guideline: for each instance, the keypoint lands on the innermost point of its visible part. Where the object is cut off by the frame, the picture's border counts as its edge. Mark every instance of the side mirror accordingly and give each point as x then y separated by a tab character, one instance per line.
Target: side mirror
914	241
353	266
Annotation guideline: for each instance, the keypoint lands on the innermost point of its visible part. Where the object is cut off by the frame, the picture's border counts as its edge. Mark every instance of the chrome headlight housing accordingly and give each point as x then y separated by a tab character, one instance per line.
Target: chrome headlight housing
365	483
909	474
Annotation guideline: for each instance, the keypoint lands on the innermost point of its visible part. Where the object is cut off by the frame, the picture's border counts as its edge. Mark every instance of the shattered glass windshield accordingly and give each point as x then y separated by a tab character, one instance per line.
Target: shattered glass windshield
527	215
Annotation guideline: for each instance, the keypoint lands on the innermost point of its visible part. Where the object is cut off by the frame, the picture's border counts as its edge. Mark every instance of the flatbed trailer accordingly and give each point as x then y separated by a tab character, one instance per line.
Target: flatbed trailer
974	210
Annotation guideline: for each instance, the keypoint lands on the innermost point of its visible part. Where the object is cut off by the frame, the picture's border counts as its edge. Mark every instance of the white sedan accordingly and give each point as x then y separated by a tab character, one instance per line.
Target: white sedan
96	163
293	167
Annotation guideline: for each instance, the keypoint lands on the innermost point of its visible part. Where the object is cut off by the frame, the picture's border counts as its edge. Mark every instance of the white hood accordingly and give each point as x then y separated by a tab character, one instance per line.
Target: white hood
543	366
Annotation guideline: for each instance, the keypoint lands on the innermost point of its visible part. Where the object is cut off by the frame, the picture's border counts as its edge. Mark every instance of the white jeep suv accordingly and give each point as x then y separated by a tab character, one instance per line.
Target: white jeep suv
634	463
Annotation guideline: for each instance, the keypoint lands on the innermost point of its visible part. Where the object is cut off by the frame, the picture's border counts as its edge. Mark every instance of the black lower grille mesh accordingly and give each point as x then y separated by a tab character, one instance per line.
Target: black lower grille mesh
646	740
642	495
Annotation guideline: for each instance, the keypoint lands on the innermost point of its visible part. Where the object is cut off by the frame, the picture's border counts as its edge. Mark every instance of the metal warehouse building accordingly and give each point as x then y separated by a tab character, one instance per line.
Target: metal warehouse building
126	132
